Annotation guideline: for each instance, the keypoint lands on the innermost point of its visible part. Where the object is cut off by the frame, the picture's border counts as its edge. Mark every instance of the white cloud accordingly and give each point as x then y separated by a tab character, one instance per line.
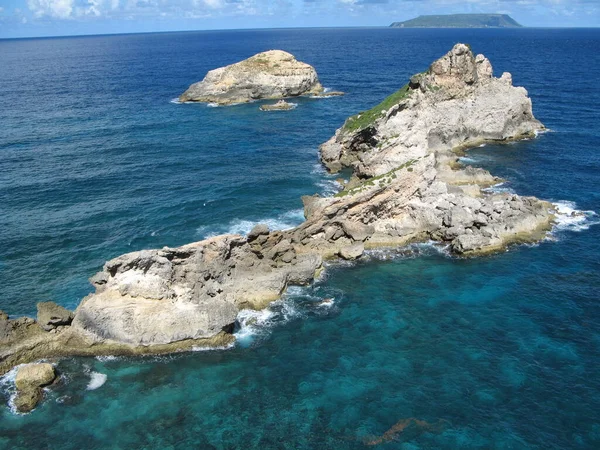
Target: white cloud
61	9
214	4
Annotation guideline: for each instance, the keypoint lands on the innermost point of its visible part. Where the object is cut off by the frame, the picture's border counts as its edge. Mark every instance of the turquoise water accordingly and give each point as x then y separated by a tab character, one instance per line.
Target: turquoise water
439	352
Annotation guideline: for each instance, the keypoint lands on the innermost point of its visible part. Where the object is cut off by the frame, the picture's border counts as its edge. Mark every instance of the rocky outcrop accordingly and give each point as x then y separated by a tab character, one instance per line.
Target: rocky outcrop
407	181
457	103
191	292
281	105
51	316
407	186
29	382
267	75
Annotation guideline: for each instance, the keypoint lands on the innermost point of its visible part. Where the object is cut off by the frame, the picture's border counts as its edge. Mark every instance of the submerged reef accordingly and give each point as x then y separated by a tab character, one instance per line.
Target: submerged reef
407	186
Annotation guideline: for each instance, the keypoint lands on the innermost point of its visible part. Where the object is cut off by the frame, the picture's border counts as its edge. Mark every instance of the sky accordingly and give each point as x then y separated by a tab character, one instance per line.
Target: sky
30	18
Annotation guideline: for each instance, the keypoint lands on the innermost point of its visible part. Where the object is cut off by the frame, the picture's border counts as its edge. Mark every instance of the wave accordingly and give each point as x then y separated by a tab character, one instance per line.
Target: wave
329	188
252	324
210	349
97	379
499	188
175	101
568	217
298	302
107	358
8	388
285	221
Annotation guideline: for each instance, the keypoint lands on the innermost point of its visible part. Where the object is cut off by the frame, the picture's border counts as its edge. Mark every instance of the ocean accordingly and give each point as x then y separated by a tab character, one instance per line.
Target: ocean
417	350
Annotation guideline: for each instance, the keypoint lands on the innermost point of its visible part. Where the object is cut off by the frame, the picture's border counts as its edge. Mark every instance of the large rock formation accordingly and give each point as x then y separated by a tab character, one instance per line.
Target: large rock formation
270	75
191	292
456	103
407	186
407	182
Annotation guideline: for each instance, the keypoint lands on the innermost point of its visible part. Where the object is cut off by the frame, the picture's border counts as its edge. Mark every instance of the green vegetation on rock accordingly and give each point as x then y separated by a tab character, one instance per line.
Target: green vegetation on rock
460	21
366	118
379	181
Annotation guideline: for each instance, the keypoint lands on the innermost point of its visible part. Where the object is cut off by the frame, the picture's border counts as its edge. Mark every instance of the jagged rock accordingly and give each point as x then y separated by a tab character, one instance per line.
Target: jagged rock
281	105
260	229
326	94
270	75
456	103
356	230
5	327
50	315
160	296
352	252
29	381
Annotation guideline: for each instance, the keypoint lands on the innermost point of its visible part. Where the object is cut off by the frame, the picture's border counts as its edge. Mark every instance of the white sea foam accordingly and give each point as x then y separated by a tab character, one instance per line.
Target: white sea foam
326	303
251	323
208	349
212	105
284	221
107	358
499	188
329	187
408	252
467	160
175	101
96	380
7	386
568	217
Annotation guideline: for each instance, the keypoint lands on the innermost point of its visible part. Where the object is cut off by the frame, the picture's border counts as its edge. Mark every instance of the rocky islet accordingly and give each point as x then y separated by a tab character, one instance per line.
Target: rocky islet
273	74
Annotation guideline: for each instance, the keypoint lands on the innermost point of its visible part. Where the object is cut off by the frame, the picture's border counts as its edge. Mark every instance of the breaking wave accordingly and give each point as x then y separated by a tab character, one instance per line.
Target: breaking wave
285	221
568	217
96	380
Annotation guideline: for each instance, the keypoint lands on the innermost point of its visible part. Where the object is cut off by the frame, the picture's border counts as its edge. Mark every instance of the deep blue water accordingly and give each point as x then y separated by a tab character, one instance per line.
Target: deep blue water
491	353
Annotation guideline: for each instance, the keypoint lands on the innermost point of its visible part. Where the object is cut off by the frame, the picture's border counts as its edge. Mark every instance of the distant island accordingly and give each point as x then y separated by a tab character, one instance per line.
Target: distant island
460	21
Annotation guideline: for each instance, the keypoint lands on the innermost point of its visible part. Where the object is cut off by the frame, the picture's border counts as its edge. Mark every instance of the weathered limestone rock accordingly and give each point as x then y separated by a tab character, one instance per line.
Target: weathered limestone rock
50	315
281	105
456	103
352	252
410	185
191	292
5	327
270	75
29	382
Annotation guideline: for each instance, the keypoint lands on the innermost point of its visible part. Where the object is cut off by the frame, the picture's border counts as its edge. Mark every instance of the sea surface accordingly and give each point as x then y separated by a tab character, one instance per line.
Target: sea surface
417	349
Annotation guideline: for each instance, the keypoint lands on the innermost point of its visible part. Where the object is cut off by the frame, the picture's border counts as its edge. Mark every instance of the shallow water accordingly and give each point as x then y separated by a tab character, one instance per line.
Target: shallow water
495	352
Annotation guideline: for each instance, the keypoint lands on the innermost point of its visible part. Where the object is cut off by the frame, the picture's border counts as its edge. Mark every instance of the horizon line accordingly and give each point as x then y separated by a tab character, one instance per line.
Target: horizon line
292	28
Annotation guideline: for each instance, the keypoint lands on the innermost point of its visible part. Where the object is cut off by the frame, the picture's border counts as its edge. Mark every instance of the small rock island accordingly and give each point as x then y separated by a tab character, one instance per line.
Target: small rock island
281	105
460	21
273	74
407	186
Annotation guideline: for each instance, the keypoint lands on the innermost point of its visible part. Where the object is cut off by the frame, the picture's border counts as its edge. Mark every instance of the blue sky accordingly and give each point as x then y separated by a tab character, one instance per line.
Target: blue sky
21	18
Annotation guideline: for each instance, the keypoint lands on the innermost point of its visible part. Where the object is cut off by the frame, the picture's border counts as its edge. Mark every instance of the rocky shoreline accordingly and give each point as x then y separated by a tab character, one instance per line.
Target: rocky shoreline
407	186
